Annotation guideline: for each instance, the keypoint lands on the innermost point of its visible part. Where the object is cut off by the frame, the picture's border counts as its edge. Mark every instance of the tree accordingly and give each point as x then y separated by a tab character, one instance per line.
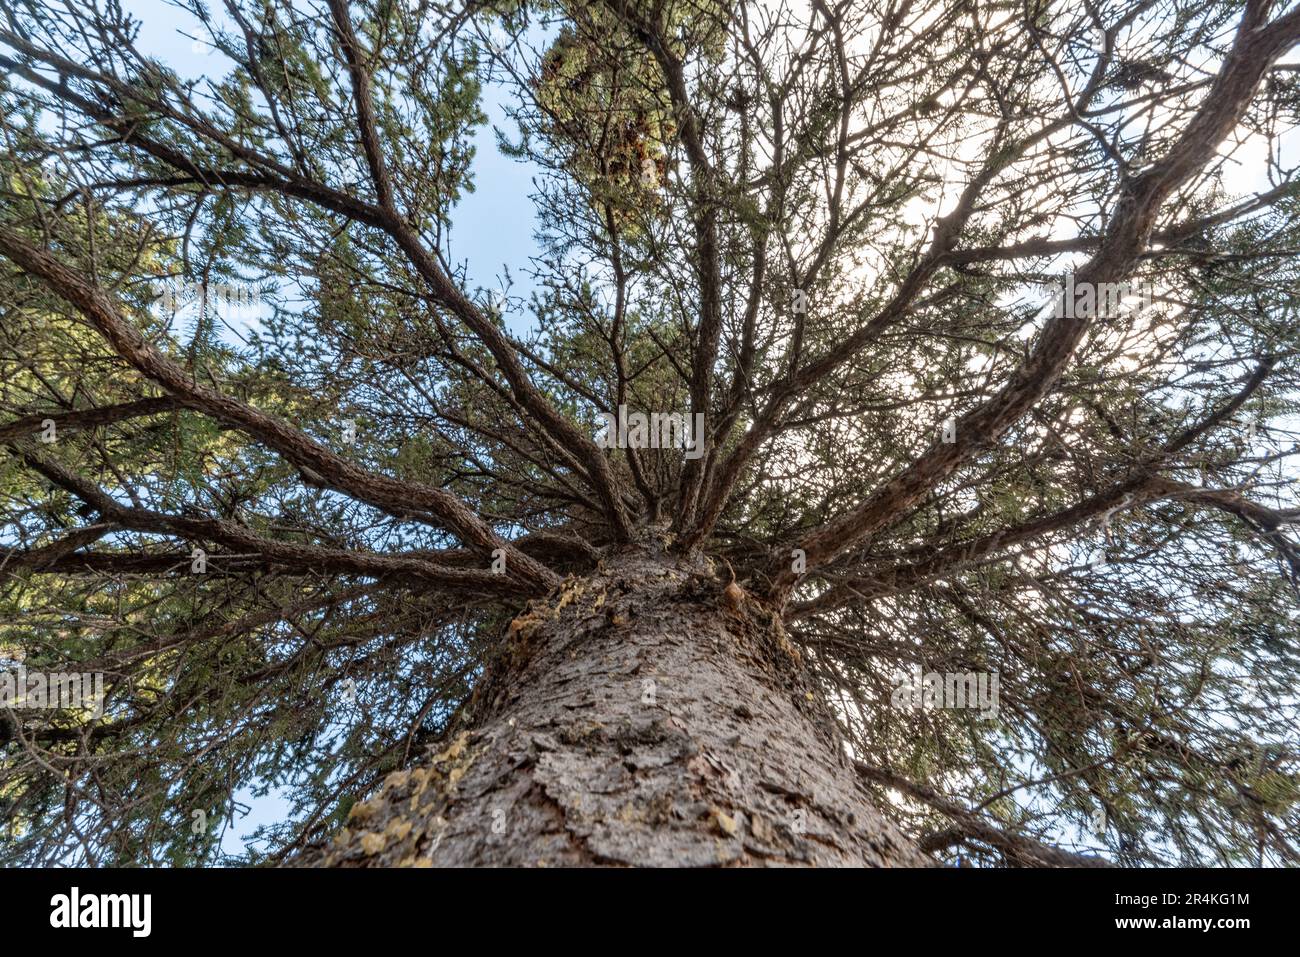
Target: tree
890	463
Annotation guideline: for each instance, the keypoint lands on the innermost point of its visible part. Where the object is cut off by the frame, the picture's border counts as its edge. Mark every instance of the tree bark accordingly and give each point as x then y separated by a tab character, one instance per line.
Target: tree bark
645	715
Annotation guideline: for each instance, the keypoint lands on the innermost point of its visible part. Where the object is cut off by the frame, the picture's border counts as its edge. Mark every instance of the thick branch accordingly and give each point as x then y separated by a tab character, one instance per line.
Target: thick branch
85	418
1255	48
392	495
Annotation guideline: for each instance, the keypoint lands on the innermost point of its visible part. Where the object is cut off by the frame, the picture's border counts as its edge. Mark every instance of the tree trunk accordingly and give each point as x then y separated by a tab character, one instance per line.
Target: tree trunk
644	715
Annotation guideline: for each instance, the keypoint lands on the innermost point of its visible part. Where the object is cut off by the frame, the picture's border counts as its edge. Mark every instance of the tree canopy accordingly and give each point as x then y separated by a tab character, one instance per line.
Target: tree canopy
838	230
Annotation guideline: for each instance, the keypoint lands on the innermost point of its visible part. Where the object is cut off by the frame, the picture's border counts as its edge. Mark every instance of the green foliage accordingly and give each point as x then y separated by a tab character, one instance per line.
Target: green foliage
1157	690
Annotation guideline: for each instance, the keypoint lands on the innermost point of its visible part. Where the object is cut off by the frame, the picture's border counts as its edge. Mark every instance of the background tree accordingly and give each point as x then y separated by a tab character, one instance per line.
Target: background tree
369	552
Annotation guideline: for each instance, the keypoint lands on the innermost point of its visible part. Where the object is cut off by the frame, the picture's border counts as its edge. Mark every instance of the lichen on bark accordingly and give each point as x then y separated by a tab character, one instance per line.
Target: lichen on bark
645	715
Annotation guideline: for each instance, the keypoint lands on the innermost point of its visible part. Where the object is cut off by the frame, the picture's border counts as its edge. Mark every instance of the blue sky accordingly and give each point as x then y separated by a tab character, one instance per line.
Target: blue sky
491	226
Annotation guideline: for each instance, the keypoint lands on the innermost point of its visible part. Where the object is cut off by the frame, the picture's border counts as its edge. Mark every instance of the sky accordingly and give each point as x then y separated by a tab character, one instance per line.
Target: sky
491	227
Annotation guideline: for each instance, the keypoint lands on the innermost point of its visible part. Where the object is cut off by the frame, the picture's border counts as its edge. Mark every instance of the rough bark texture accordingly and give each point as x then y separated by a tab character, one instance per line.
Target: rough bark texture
644	715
